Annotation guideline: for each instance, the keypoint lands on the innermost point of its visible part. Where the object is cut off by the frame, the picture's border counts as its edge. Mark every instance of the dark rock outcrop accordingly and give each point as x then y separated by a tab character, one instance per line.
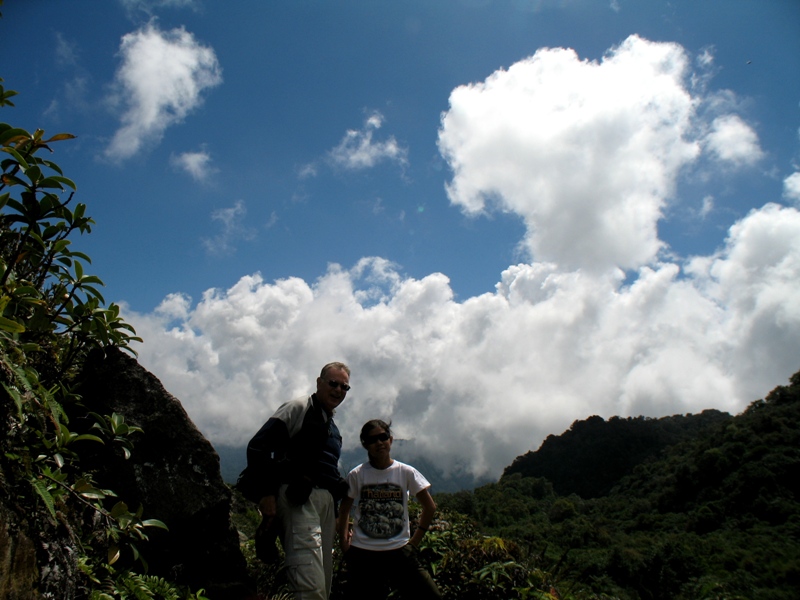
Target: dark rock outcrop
19	572
173	473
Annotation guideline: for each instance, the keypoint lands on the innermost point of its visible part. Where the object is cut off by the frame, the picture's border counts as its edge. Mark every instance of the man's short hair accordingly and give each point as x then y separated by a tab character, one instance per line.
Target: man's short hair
335	365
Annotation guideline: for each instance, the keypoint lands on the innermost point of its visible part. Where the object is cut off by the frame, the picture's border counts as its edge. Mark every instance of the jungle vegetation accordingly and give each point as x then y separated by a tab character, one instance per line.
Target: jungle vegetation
715	515
52	314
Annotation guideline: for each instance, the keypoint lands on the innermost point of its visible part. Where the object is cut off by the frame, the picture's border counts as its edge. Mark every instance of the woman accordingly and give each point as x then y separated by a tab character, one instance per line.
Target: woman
379	550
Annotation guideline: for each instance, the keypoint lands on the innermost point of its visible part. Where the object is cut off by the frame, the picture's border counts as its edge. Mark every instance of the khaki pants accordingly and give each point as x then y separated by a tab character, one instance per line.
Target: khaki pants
307	537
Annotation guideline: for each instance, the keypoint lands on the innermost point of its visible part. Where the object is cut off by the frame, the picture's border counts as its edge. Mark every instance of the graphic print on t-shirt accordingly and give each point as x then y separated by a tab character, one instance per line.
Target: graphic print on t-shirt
381	509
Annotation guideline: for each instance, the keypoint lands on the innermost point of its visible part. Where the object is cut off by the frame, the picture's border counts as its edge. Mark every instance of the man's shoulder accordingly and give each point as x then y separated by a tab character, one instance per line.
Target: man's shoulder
293	409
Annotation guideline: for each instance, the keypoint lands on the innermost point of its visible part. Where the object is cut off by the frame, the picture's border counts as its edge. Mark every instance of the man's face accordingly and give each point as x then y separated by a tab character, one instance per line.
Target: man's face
329	388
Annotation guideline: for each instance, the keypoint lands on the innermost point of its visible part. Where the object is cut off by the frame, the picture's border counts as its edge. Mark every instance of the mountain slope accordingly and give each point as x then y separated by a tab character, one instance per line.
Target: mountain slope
592	456
714	516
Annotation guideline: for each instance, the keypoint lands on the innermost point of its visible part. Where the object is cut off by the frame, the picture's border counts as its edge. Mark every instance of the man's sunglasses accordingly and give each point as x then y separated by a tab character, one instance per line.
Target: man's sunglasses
336	384
371	439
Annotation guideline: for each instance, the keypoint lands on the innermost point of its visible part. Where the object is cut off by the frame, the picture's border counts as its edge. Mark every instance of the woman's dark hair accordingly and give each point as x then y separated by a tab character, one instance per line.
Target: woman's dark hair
370	425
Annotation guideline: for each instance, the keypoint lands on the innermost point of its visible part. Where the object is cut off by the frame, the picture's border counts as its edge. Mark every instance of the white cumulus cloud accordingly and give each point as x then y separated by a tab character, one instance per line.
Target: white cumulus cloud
358	149
160	81
473	384
588	154
732	140
791	188
197	164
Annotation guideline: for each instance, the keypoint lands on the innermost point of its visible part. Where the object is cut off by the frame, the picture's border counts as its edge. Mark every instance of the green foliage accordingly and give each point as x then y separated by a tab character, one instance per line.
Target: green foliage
133	586
116	429
468	565
52	310
52	314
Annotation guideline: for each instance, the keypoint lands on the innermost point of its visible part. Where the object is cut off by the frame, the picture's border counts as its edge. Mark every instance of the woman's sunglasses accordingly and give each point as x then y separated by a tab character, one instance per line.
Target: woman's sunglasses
371	439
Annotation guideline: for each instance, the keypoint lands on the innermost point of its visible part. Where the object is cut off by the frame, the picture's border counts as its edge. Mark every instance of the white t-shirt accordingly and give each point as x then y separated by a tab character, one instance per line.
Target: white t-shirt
381	504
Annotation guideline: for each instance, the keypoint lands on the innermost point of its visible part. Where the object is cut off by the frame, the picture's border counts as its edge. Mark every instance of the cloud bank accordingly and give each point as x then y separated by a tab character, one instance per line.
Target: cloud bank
600	320
161	80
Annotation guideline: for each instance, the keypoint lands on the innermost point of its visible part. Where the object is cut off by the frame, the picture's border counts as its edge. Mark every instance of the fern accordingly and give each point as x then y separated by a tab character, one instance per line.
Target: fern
45	495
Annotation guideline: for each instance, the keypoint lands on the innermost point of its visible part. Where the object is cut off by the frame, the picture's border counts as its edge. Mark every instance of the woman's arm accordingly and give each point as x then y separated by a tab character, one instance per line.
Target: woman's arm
343	524
425	518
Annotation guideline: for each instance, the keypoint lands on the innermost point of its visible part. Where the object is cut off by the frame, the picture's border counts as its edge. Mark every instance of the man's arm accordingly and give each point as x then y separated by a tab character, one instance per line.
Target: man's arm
425	518
264	453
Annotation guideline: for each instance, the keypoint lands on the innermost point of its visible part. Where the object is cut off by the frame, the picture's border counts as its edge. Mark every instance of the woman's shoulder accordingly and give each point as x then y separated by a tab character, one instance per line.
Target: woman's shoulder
404	467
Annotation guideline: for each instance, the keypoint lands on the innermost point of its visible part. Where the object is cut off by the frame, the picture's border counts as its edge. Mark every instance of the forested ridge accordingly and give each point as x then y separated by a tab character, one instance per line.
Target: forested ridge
714	515
594	454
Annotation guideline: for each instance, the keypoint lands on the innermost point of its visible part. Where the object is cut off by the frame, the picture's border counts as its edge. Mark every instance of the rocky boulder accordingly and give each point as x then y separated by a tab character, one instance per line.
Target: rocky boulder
173	473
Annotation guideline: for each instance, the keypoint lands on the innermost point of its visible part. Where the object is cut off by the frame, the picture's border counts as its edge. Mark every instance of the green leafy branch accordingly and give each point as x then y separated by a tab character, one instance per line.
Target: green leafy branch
52	314
47	298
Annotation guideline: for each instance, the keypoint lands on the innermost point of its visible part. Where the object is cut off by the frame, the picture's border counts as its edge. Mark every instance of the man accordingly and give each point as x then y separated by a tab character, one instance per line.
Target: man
293	476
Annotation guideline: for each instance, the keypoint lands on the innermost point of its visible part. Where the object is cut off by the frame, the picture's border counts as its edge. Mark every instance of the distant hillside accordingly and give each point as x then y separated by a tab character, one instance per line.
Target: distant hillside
232	461
592	456
714	516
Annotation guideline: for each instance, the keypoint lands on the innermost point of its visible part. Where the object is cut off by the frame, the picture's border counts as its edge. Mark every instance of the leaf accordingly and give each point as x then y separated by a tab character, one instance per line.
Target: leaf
61	245
94	292
93	493
27	290
14	393
45	495
53	166
120	508
60	137
17	156
88	436
11	326
11	180
34	173
91	279
87	490
10	136
48	183
155	523
56	181
113	554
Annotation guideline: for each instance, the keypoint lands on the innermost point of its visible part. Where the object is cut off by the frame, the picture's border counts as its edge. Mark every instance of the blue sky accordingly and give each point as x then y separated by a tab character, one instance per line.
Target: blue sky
505	216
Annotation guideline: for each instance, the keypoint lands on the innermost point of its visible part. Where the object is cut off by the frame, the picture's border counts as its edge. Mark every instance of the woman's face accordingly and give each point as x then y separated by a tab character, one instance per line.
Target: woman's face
378	443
